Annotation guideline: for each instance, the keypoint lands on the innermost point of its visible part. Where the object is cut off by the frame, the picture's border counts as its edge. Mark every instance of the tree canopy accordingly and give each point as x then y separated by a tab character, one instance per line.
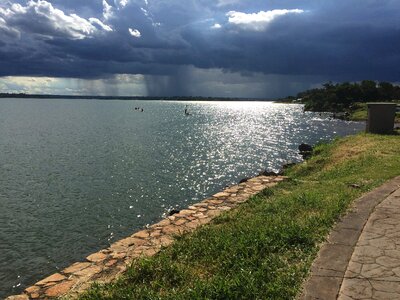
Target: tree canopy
340	96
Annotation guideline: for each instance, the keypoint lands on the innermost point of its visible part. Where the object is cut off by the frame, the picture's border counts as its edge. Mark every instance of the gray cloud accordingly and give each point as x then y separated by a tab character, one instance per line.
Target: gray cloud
174	43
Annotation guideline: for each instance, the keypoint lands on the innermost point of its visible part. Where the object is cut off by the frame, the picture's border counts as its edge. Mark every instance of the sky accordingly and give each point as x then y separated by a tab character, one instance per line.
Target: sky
226	48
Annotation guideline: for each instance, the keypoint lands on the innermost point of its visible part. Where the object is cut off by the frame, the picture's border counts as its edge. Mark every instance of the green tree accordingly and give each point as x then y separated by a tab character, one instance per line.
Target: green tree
369	90
386	90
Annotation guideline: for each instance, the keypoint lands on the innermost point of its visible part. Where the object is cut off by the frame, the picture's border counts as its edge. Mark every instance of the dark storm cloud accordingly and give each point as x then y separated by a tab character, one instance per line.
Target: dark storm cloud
337	40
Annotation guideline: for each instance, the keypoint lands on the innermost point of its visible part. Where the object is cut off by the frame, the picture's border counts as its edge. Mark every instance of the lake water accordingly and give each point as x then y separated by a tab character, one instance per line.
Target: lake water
76	175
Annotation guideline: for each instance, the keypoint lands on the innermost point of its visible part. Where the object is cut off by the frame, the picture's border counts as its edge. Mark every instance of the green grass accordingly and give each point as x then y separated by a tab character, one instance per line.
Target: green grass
264	249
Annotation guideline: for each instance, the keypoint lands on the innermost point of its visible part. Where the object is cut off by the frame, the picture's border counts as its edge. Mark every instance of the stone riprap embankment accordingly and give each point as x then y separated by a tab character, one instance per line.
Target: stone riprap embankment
105	265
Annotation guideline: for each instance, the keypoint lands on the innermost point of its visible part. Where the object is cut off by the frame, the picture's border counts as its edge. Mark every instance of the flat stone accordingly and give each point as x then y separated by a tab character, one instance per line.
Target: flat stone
185	212
76	267
254	179
172	230
258	188
118	255
279	179
180	222
232	189
111	262
257	183
59	289
146	251
89	272
97	257
201	204
244	195
221	194
164	222
150	252
199	215
190	218
214	213
32	289
50	284
223	208
124	242
215	202
192	225
52	278
18	297
166	240
143	234
155	233
205	220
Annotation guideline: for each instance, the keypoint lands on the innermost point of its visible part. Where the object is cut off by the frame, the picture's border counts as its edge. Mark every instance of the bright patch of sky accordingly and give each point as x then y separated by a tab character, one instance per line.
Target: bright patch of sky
258	21
135	33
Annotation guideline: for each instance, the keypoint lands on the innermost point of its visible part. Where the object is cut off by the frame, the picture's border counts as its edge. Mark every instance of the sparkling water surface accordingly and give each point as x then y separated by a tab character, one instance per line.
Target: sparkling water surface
76	175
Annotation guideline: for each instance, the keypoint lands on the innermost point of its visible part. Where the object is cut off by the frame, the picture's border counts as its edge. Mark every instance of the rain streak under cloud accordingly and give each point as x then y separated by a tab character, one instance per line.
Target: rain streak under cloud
206	47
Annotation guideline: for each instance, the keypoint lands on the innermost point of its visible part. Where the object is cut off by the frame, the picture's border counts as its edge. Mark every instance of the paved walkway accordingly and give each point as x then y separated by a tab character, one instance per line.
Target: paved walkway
361	259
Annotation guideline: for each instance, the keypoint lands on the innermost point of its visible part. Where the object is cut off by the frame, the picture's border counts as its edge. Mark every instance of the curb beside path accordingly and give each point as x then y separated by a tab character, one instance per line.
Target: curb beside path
339	263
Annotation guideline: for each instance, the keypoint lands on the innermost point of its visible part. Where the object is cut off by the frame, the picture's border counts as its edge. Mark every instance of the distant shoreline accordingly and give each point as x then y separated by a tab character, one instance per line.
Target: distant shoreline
94	97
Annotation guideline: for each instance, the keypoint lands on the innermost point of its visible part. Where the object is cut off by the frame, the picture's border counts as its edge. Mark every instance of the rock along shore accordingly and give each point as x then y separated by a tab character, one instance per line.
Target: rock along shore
107	264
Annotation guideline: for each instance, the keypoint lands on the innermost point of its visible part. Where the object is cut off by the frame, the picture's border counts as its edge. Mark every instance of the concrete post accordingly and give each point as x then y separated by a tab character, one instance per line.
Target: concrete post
381	117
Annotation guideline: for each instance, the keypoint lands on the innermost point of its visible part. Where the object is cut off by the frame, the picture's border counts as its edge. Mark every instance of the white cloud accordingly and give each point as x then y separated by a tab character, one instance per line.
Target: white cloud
42	18
135	33
145	12
100	24
216	26
258	21
107	10
121	3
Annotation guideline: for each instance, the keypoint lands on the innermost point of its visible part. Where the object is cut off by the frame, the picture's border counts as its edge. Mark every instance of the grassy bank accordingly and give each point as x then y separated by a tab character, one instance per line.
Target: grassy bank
264	249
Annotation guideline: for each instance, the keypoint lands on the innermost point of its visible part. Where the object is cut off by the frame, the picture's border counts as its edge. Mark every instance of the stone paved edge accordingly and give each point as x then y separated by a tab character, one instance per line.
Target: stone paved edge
328	269
107	264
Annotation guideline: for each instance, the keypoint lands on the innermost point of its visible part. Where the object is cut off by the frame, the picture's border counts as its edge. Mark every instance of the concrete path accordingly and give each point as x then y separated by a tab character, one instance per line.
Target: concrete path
361	259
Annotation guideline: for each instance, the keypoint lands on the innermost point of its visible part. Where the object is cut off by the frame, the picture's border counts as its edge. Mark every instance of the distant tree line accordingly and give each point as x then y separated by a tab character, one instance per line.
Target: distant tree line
174	98
340	96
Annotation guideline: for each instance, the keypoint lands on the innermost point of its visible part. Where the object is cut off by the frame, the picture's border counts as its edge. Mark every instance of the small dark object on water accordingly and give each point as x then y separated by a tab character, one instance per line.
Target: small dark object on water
305	150
268	173
305	147
244	180
173	212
